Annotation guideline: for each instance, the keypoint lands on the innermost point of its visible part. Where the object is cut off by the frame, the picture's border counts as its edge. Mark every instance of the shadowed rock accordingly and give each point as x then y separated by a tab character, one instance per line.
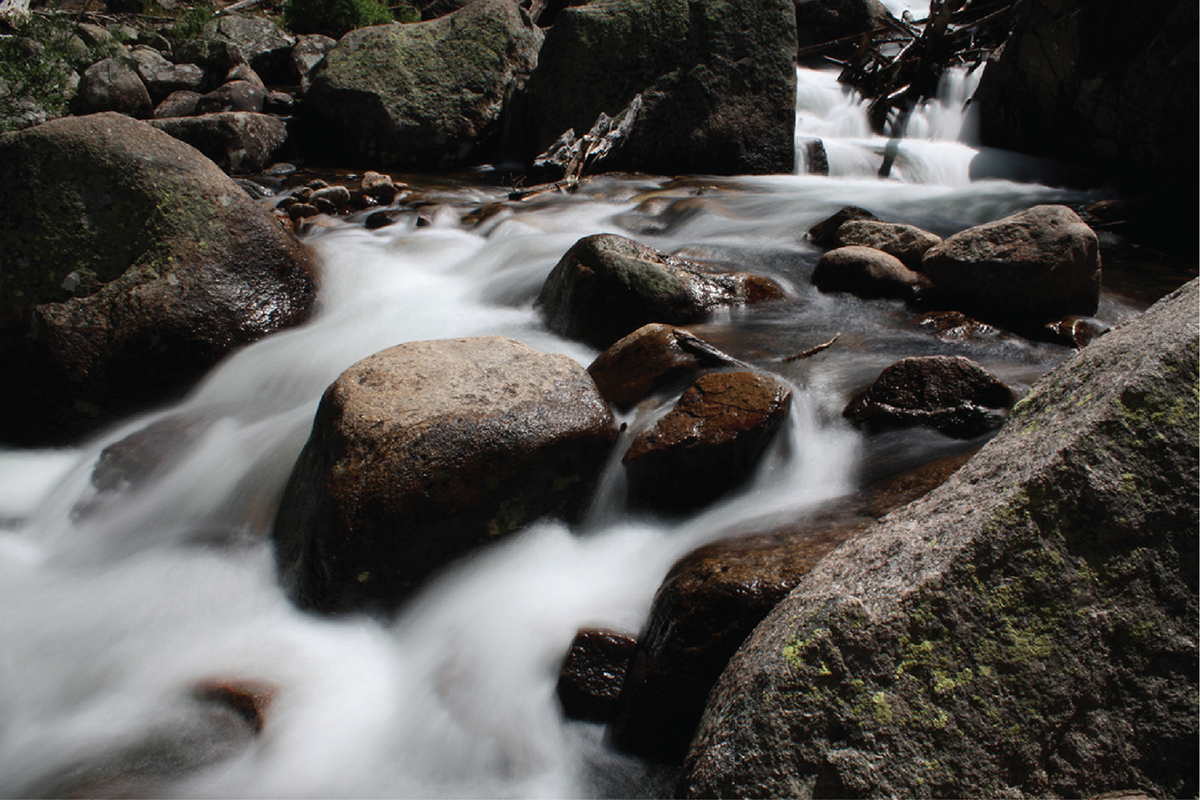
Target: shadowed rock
592	674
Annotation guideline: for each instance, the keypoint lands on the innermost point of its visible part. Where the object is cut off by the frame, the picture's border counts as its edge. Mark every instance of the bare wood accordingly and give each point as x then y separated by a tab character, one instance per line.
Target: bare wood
812	351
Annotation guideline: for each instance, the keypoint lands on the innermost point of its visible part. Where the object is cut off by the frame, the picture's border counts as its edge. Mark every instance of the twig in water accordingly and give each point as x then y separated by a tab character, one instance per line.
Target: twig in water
812	351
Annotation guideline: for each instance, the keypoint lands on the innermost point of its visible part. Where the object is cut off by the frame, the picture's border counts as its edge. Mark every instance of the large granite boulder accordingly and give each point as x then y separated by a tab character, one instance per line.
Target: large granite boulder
426	450
130	265
717	80
237	141
607	286
1029	268
425	94
1028	629
1109	86
905	242
162	78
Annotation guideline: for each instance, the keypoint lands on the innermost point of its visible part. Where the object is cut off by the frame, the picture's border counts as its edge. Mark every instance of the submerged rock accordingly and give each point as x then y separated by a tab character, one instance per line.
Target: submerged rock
1033	267
422	95
709	443
949	393
130	265
427	450
1027	629
607	286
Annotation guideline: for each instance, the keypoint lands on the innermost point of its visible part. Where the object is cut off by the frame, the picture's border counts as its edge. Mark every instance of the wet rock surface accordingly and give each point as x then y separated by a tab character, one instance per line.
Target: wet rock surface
607	286
709	443
949	393
592	674
1026	629
426	451
651	358
866	272
175	267
905	242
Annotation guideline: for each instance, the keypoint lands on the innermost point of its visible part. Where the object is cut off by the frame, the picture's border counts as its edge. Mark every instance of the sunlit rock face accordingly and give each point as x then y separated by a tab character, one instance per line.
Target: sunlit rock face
427	450
1026	629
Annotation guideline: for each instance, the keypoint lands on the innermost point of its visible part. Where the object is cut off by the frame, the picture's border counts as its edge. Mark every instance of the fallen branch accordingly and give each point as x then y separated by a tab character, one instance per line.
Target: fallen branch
812	351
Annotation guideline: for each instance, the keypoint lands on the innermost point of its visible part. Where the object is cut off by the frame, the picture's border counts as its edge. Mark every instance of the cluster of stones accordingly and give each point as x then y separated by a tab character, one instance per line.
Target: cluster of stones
318	196
211	92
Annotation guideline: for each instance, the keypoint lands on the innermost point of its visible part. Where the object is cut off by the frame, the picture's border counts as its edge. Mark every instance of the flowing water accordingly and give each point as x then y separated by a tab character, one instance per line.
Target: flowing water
116	598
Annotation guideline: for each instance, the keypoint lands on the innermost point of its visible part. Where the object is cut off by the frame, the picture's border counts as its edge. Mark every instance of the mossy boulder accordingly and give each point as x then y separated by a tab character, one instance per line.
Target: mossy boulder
421	95
130	265
427	450
717	80
1028	629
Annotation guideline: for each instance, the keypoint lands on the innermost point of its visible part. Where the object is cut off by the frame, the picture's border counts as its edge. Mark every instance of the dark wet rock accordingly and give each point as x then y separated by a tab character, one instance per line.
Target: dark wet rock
1033	267
712	599
821	21
177	104
381	219
607	286
428	450
951	394
232	96
716	78
708	444
266	48
127	464
162	78
1076	332
422	95
906	242
866	272
109	85
824	233
297	211
592	674
238	142
651	358
335	196
279	103
1025	630
131	265
955	326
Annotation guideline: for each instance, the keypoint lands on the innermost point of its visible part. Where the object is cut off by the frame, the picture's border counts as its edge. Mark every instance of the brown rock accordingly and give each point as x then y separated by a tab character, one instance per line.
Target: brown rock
709	443
379	186
109	85
906	242
249	699
237	141
824	233
426	450
232	96
949	393
650	358
592	674
1027	269
866	272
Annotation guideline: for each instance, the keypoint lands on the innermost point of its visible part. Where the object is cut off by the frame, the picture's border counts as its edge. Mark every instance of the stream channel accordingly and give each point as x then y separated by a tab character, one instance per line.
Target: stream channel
116	601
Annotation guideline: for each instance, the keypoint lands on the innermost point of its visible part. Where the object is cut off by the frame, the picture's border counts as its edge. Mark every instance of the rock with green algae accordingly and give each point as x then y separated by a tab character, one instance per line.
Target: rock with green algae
422	95
717	80
1028	629
130	265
